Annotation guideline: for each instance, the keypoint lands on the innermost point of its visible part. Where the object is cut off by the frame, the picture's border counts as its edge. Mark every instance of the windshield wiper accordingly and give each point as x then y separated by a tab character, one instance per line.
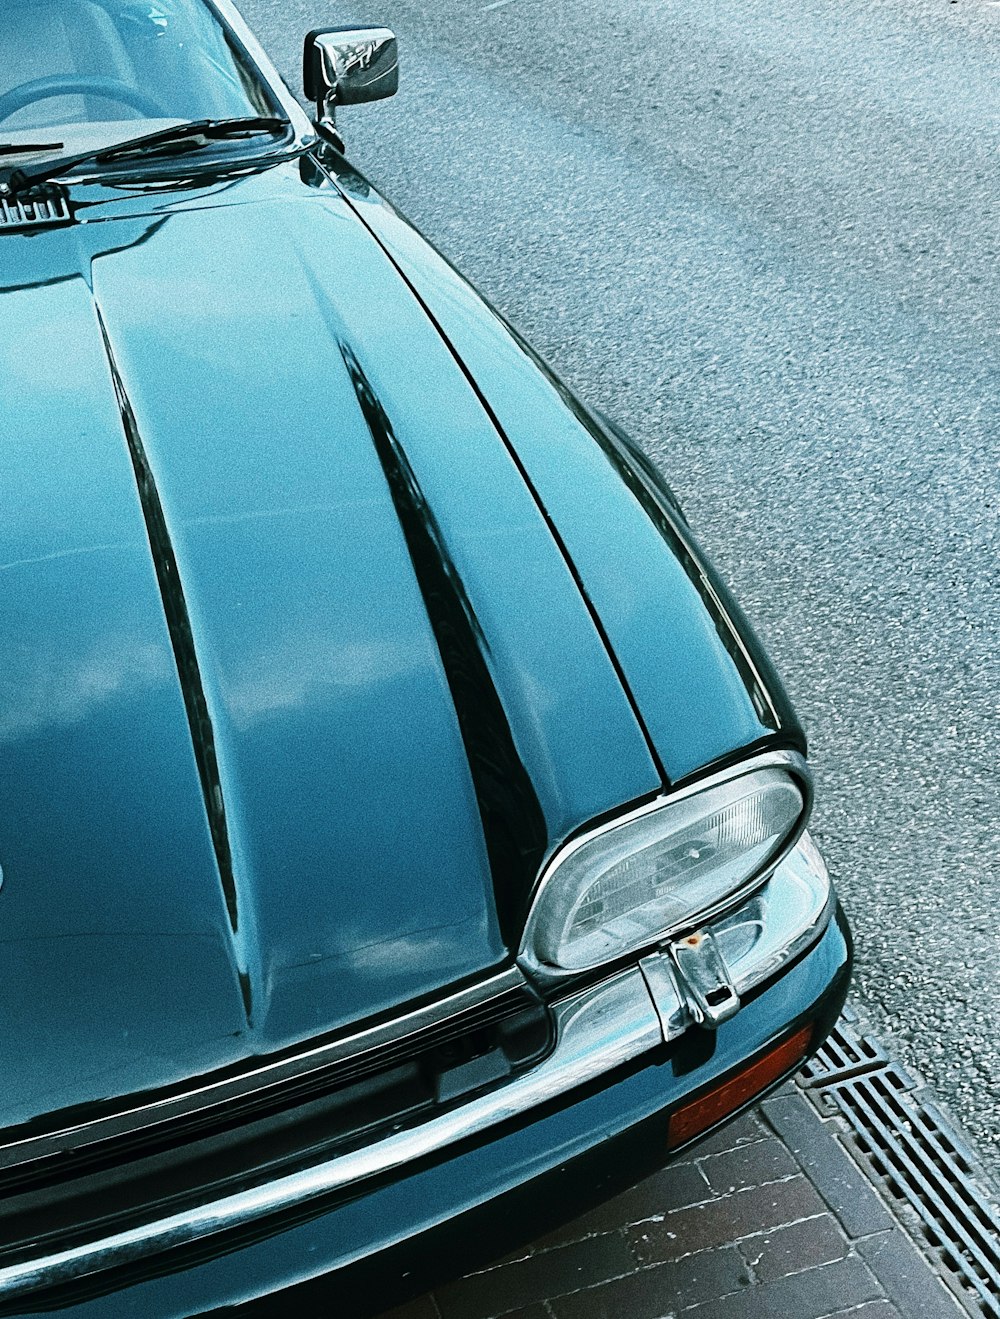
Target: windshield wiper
183	137
27	148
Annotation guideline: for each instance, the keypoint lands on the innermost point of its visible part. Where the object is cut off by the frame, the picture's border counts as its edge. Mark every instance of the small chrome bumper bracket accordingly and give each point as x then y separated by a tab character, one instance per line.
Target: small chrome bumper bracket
705	979
690	984
660	976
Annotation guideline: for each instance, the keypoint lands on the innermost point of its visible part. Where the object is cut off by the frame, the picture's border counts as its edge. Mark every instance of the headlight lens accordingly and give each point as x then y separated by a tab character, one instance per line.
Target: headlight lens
622	887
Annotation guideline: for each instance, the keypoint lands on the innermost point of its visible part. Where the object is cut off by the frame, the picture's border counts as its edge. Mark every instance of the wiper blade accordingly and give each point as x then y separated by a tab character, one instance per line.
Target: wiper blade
180	135
211	130
27	148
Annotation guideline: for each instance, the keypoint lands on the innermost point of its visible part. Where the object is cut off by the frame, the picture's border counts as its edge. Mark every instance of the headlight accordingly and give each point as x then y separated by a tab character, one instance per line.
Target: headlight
638	879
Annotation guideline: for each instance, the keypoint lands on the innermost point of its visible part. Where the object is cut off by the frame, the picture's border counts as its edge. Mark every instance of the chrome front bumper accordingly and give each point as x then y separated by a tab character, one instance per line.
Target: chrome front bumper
597	1029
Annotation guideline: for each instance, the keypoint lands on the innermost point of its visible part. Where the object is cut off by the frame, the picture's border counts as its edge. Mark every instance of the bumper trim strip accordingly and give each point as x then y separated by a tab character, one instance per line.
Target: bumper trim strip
597	1029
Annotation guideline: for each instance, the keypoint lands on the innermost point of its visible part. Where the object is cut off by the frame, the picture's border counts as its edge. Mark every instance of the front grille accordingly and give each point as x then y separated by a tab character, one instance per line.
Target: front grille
67	1196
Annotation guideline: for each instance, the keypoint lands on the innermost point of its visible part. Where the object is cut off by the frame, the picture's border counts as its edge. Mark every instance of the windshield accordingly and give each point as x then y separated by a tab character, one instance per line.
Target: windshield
78	75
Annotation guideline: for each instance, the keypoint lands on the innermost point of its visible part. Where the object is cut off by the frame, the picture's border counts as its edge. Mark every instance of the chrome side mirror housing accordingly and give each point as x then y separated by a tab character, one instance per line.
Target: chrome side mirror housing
346	66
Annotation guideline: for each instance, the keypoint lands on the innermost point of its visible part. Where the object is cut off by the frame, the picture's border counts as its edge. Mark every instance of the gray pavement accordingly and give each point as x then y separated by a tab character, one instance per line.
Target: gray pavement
764	237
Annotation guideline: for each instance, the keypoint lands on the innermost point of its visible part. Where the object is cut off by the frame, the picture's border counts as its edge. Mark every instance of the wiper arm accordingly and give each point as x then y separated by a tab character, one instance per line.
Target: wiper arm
181	135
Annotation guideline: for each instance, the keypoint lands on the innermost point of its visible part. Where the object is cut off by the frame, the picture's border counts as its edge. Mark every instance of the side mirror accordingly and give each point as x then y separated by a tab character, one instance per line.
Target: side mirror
345	66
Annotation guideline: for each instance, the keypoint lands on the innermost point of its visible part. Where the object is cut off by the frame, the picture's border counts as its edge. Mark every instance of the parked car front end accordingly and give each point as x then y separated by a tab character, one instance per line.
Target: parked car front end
406	839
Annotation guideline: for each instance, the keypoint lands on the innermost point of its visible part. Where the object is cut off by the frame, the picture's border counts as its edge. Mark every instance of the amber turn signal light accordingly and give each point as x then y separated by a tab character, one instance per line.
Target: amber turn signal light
696	1116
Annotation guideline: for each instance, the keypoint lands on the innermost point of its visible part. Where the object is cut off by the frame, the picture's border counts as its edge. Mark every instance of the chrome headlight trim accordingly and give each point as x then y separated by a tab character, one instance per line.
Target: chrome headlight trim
780	920
791	762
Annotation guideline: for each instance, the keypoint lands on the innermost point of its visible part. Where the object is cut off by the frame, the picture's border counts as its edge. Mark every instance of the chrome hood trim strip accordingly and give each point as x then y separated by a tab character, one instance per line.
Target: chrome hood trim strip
270	1075
597	1029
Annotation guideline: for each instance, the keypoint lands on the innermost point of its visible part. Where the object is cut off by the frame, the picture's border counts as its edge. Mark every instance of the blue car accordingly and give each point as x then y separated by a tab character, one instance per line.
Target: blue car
403	836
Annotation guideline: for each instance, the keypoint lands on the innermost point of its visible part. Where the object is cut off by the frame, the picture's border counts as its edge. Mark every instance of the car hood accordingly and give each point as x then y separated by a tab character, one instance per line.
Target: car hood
297	688
301	680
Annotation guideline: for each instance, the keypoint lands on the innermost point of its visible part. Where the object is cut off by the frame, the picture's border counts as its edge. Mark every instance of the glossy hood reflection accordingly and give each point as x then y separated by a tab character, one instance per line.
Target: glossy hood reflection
228	645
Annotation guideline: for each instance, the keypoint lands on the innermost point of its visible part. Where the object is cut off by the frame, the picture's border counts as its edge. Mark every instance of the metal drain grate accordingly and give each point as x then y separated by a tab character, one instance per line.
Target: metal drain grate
912	1152
843	1053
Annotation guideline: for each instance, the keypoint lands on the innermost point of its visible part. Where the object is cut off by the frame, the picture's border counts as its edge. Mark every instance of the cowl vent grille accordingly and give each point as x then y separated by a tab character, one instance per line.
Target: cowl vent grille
39	208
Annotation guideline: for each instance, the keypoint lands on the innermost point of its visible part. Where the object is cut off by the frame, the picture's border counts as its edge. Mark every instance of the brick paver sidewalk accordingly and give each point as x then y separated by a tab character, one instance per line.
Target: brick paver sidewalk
769	1219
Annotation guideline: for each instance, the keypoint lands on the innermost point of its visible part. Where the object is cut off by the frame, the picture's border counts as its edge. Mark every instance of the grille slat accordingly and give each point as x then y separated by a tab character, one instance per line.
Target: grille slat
39	208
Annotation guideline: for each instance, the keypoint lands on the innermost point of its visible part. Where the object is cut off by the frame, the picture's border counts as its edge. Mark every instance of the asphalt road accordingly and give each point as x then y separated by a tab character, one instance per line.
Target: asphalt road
764	236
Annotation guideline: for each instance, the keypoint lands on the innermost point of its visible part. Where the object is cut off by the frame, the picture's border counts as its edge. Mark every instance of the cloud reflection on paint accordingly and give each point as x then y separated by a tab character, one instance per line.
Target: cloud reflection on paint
44	690
300	669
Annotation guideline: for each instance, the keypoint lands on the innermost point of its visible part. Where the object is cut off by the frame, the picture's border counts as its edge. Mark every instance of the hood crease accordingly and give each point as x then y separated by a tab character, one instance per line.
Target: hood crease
188	668
512	818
